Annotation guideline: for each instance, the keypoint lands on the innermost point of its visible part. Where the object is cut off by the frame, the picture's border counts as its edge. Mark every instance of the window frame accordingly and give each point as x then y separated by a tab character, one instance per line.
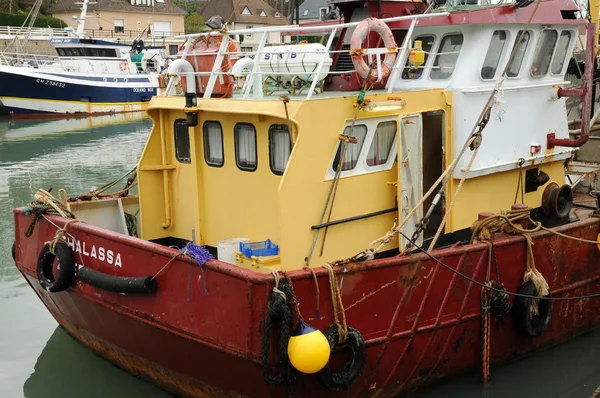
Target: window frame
339	145
531	36
438	51
177	123
235	145
566	54
536	52
204	141
371	138
427	58
362	167
271	130
507	38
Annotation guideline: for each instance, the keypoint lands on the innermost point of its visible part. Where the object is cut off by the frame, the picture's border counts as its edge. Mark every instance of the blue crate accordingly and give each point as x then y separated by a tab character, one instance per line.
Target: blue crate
258	249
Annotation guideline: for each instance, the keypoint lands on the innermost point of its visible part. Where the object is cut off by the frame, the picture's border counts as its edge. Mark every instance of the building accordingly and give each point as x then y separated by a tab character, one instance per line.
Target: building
247	14
317	10
125	19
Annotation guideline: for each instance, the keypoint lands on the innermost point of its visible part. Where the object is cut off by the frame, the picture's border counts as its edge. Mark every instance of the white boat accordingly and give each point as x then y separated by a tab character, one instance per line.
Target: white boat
87	76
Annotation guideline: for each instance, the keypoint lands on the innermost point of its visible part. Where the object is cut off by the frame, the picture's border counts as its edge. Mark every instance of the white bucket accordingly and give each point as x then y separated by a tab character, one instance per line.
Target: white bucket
227	248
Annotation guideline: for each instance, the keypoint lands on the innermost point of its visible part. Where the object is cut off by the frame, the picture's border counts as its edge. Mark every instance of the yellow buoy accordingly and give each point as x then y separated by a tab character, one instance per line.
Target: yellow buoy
308	348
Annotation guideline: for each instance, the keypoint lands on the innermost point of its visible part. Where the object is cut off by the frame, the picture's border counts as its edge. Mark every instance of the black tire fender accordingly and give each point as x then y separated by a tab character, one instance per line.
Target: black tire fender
351	371
524	321
13	251
66	267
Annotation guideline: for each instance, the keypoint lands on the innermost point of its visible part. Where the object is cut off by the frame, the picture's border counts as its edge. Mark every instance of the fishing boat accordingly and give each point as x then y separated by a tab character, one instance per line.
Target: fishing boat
294	236
88	76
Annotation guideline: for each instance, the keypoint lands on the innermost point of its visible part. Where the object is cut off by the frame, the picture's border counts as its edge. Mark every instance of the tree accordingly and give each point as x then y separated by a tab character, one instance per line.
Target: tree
194	23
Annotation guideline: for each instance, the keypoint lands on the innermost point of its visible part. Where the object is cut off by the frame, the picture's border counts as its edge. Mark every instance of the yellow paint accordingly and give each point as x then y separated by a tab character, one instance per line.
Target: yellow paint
226	202
598	240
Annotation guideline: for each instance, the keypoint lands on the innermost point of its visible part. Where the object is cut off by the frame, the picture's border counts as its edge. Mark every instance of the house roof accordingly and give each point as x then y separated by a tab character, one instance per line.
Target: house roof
166	7
247	11
311	9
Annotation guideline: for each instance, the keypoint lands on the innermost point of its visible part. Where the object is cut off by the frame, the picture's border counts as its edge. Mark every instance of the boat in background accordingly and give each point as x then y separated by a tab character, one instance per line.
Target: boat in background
87	77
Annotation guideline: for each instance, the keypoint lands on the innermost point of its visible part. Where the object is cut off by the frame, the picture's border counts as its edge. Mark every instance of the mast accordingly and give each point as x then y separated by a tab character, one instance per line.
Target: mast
81	19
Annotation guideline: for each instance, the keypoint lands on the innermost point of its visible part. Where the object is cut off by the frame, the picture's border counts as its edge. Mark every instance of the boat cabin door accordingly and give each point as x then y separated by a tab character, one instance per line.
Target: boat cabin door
420	164
410	174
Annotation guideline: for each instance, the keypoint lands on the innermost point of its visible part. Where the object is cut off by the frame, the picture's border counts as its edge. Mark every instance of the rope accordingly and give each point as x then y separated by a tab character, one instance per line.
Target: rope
336	299
596	393
318	292
44	203
295	302
485	319
59	236
533	275
448	211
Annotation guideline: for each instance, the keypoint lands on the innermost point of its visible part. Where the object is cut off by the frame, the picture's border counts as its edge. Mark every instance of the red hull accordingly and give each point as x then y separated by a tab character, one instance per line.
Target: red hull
420	322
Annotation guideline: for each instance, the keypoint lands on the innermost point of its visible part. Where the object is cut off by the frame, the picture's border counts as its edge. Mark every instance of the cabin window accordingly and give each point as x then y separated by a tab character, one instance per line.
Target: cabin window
426	45
445	60
87	52
245	146
213	143
381	146
515	64
182	141
353	150
280	147
561	52
492	58
543	53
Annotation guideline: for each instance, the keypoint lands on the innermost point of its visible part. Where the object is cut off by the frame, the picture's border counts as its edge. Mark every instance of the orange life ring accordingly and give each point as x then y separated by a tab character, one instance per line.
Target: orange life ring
359	36
123	65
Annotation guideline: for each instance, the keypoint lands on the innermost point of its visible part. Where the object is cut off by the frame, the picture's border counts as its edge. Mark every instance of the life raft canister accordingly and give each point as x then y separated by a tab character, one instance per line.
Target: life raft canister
360	34
202	55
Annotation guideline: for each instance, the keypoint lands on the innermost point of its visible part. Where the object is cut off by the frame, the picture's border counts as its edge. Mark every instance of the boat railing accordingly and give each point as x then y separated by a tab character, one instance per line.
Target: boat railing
28	60
253	85
13	31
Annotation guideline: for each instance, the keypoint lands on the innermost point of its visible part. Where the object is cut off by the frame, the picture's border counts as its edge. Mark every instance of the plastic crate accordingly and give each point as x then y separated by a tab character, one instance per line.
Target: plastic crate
258	249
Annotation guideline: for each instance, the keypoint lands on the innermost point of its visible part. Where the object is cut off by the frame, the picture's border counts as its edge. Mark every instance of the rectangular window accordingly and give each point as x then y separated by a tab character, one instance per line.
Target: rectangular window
543	53
213	143
119	25
323	11
490	63
182	141
445	60
245	146
515	64
381	146
280	147
561	52
353	150
173	49
249	35
426	45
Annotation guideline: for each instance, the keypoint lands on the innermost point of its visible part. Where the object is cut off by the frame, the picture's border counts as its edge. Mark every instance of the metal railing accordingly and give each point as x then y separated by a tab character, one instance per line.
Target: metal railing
28	60
254	80
13	31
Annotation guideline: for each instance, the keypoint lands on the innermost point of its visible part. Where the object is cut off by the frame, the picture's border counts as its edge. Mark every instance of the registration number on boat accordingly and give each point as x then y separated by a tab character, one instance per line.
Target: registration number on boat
50	83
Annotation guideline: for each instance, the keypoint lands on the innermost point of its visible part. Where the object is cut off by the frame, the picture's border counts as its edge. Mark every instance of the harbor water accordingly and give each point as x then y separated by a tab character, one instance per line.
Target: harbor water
38	359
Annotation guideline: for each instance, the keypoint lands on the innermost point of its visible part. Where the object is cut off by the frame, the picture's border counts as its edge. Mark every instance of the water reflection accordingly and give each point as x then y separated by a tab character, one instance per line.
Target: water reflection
67	369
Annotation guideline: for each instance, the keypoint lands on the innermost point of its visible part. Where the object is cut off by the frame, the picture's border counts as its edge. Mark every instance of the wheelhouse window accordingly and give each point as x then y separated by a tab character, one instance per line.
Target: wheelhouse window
87	52
353	149
492	58
445	60
543	53
426	45
522	40
182	141
280	147
245	146
561	52
213	143
381	146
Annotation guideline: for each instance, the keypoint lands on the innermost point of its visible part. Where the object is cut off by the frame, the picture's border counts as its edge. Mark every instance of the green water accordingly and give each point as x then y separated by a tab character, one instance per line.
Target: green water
39	360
